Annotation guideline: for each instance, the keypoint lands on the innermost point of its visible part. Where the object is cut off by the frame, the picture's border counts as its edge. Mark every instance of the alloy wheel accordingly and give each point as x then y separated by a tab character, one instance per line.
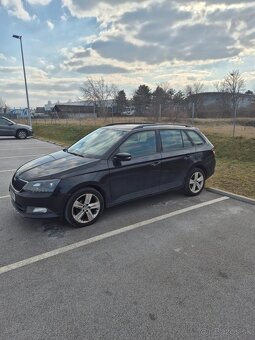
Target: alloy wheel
22	134
86	208
196	182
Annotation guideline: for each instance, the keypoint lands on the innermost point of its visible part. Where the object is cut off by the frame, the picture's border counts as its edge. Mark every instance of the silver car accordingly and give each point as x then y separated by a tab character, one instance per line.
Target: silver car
10	128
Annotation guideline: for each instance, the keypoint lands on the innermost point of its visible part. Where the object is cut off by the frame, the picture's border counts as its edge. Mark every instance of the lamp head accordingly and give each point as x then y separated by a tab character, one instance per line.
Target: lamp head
16	36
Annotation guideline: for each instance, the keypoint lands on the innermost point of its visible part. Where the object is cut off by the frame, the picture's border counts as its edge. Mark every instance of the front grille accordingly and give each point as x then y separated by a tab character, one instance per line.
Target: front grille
18	183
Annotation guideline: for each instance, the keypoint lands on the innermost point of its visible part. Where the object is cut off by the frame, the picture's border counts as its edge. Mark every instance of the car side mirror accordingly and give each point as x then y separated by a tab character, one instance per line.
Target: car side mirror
122	157
10	124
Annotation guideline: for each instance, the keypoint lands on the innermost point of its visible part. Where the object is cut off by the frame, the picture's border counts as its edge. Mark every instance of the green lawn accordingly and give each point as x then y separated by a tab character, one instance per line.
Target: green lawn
235	171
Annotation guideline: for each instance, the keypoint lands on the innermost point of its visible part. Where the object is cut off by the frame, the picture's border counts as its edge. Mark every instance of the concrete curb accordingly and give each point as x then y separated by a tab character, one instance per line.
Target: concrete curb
231	195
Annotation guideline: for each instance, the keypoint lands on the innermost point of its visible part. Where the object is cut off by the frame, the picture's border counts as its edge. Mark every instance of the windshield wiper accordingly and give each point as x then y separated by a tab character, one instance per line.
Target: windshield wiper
73	153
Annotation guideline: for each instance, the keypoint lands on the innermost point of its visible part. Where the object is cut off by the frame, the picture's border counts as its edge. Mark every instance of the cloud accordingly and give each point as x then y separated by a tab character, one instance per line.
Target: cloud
39	2
101	69
133	42
102	9
64	17
209	30
16	8
50	25
41	86
3	57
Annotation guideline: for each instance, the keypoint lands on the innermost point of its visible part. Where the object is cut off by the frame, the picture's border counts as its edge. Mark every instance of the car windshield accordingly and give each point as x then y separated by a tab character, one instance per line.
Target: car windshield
8	120
97	142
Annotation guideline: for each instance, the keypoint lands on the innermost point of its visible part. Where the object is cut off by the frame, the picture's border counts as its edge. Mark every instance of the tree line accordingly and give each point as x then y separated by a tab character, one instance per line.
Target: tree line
165	100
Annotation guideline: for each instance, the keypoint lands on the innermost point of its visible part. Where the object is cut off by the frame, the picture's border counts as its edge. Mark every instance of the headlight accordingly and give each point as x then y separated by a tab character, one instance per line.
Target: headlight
42	186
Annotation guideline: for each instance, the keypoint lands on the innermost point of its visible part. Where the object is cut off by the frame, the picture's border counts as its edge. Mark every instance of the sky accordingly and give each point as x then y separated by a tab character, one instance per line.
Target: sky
126	42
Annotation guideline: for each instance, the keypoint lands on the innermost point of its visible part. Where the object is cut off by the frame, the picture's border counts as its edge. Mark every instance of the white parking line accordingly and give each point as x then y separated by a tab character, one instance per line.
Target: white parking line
7	170
22	156
83	243
33	147
4	196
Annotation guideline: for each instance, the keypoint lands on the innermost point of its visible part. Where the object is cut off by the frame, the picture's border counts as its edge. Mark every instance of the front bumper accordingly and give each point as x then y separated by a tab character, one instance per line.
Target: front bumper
26	202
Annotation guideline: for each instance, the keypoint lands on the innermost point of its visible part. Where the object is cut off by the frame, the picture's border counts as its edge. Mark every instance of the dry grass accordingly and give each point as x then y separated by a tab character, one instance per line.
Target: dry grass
234	176
223	127
226	130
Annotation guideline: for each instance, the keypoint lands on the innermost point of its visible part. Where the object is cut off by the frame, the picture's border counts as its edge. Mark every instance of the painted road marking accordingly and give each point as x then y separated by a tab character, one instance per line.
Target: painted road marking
86	242
7	170
4	196
33	147
22	156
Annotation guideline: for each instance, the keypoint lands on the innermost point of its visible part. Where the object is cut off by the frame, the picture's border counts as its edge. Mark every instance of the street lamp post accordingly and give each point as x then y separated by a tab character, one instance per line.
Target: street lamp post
25	78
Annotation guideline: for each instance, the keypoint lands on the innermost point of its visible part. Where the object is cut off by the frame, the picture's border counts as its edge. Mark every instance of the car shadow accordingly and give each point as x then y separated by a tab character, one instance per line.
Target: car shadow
12	138
57	227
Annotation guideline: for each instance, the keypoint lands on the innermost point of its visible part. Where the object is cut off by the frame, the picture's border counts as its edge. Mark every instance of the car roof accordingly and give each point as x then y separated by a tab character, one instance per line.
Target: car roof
125	126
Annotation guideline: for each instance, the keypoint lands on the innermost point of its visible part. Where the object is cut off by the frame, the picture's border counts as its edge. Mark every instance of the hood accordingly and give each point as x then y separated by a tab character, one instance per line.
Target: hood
55	165
24	126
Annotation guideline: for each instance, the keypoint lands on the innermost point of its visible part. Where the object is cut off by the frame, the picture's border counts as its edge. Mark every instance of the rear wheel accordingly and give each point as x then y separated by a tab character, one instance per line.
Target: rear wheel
84	207
195	182
21	134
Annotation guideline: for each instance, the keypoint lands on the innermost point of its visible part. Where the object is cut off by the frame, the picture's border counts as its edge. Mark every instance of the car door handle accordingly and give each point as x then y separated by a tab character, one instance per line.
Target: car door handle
187	157
155	163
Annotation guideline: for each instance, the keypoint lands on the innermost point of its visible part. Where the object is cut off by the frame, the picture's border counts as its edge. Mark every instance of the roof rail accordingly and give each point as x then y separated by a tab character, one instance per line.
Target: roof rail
141	125
158	124
135	123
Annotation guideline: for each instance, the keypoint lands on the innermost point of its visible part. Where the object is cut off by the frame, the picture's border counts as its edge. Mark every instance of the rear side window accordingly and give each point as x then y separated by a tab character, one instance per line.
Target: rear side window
196	138
140	144
186	141
171	140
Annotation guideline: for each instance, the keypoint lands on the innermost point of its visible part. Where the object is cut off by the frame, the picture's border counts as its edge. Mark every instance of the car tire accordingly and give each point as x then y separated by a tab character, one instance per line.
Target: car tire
21	134
84	207
195	182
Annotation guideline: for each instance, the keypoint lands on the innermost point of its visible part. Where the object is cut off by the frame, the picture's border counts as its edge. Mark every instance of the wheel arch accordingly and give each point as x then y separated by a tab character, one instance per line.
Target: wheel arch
88	185
199	166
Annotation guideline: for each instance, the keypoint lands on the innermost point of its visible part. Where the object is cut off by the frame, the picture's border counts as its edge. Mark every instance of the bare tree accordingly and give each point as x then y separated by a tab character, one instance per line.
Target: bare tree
234	84
192	94
223	100
194	88
98	92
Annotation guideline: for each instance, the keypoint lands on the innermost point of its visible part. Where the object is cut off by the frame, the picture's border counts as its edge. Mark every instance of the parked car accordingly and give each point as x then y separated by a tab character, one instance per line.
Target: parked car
112	165
129	111
10	128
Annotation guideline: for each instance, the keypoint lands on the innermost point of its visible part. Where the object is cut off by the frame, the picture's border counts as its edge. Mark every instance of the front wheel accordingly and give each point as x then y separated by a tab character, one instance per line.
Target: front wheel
195	182
21	134
84	207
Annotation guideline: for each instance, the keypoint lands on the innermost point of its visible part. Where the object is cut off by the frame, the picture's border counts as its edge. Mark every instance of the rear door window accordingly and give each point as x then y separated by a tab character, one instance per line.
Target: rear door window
171	140
196	138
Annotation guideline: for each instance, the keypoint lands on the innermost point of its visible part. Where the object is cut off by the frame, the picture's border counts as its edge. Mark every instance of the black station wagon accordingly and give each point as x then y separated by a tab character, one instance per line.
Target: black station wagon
114	164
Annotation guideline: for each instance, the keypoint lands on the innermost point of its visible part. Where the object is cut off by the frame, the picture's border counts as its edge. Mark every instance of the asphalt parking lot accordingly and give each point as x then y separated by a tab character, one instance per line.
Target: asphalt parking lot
165	267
